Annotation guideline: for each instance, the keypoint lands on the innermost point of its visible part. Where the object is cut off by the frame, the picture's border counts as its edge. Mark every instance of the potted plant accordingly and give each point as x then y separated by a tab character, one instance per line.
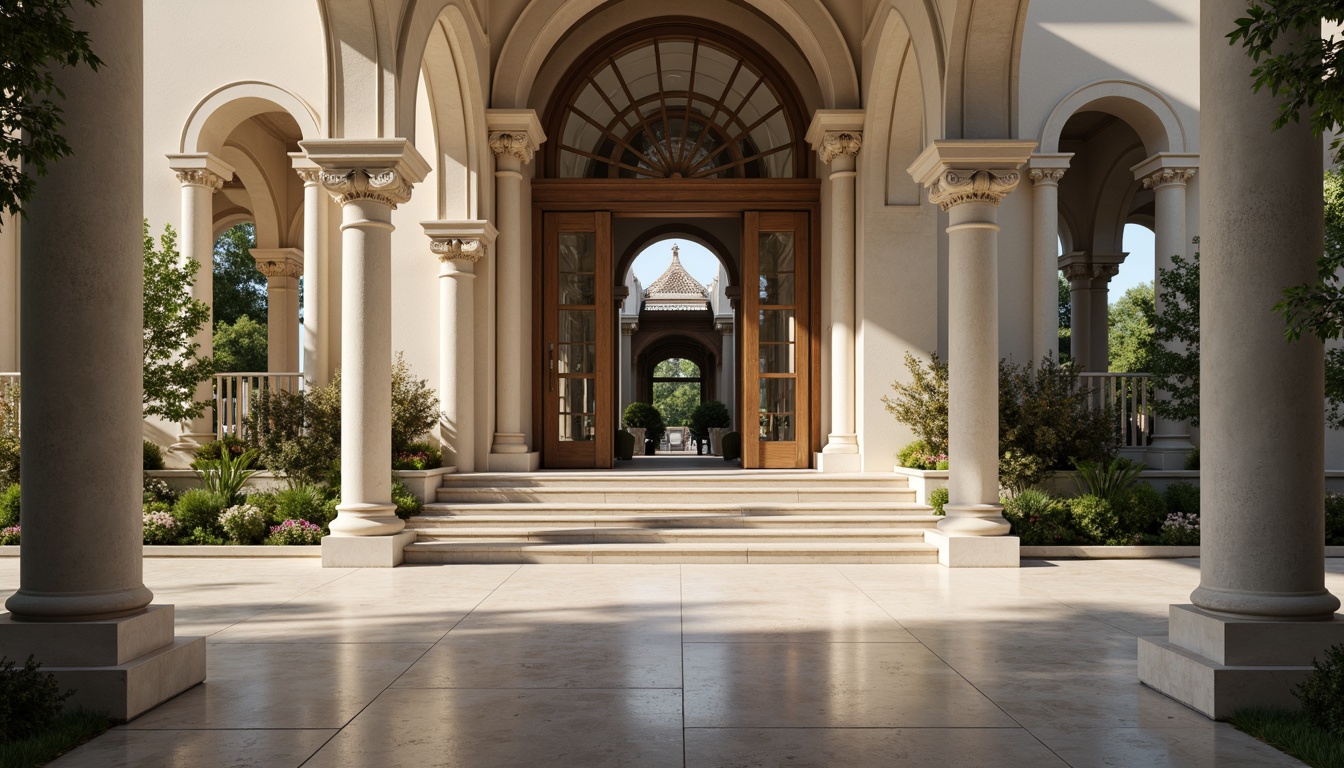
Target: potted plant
645	416
711	419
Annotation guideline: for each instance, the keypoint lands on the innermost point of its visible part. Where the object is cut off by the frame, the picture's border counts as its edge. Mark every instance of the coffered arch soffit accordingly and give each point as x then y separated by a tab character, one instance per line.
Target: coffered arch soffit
983	64
904	69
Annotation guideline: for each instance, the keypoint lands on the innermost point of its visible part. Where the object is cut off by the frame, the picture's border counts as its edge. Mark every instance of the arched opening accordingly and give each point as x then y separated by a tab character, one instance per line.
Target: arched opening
676	129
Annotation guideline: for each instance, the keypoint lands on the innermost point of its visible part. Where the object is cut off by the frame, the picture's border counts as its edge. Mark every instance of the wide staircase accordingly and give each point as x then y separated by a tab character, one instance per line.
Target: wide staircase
672	517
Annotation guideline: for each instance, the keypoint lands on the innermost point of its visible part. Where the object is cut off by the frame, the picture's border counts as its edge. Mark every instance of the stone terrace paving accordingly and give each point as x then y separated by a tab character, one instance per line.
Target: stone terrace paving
671	665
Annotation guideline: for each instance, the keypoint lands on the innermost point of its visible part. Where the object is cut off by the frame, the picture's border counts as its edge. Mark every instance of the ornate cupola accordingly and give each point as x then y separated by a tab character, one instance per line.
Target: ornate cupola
675	290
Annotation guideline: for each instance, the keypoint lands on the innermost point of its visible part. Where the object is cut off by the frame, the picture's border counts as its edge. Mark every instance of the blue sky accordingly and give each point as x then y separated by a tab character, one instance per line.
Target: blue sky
1137	268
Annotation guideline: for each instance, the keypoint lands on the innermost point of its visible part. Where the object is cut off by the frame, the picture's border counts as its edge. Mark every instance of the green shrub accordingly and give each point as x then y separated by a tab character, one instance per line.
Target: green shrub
1334	519
297	433
159	526
203	537
732	446
243	524
226	476
1111	480
1322	693
922	404
418	455
212	450
1142	510
1192	460
29	699
153	459
1180	529
644	415
918	455
9	506
1095	518
198	508
306	502
1039	520
415	406
9	537
266	501
9	460
157	490
938	498
1046	423
407	504
1184	498
294	532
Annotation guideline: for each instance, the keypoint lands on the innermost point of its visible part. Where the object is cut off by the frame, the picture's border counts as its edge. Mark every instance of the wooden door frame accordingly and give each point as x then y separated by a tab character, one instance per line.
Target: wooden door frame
686	199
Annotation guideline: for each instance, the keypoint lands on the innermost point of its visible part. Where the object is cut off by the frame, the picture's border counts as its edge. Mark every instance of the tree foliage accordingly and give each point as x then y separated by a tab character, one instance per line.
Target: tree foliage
1301	74
1130	330
1065	320
240	346
239	289
922	403
676	401
1175	356
172	318
36	37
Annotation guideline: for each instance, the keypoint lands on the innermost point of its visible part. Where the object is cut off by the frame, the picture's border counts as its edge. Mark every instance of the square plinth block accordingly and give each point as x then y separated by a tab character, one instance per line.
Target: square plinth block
365	551
836	463
123	666
975	551
514	462
1217	664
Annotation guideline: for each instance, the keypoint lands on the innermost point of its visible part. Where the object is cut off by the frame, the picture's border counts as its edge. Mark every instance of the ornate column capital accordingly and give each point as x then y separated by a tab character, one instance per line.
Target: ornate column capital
1048	170
460	240
1165	169
200	169
724	327
515	133
835	133
1040	176
1076	272
973	170
1079	266
279	262
383	170
628	327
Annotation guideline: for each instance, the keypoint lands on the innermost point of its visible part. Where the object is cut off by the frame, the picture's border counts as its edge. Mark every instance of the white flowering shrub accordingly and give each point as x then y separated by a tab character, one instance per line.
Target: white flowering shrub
243	523
160	528
1181	529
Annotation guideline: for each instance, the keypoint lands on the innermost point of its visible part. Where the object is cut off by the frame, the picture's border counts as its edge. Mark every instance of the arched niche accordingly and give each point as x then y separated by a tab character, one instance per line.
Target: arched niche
982	69
903	104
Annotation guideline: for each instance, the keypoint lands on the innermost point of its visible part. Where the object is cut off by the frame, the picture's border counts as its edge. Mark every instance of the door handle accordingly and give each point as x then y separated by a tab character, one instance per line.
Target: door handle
551	356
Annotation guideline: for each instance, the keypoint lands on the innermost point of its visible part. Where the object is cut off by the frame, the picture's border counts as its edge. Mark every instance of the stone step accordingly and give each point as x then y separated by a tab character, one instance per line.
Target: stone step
634	509
623	535
680	481
438	521
425	552
635	493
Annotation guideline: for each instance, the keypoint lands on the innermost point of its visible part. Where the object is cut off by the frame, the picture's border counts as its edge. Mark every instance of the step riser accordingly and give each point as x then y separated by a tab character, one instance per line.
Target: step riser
673	498
534	557
672	480
895	524
916	537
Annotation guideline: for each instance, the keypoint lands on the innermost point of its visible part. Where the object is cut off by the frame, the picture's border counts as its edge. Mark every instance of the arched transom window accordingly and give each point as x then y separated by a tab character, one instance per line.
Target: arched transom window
676	102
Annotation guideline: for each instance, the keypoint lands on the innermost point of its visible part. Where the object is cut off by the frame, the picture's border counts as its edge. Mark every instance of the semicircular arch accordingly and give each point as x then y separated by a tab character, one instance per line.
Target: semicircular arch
224	109
678	231
1142	108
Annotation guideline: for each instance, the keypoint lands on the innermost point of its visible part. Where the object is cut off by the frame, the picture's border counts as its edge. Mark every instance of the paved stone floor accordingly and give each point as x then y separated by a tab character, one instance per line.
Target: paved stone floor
492	666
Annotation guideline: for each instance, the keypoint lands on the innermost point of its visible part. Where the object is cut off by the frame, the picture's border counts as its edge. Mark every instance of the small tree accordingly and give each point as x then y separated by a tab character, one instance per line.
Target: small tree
922	404
240	346
415	406
1176	370
1130	328
172	318
36	36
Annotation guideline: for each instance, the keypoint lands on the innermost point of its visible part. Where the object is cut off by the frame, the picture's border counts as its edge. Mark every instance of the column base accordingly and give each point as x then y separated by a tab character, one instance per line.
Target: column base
514	462
509	442
838	462
1218	664
1168	456
365	551
974	520
961	551
123	667
357	519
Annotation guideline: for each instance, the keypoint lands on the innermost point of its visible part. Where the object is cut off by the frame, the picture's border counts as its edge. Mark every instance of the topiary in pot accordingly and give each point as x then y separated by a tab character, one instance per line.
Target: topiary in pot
646	416
625	445
732	446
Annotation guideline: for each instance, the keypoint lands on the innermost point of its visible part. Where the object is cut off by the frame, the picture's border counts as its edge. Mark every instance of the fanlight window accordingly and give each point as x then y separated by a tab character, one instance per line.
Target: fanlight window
677	105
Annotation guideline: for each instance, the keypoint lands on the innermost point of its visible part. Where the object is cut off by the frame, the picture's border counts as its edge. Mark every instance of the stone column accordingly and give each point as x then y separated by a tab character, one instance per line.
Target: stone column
201	175
1167	175
458	245
1261	612
968	179
514	138
628	328
1078	271
368	178
316	360
728	371
282	267
82	608
1104	267
1046	171
837	136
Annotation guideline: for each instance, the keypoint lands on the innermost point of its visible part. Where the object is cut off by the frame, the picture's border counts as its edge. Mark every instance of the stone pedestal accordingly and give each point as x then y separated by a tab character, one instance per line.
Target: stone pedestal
365	551
968	551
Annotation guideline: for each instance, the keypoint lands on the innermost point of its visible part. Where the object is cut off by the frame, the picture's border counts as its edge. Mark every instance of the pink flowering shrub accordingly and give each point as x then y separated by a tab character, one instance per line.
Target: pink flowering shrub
9	537
417	456
295	532
160	528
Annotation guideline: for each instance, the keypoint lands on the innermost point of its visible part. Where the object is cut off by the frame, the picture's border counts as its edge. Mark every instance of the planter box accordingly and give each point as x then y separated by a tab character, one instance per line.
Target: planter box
1091	552
923	481
716	439
639	433
258	550
424	482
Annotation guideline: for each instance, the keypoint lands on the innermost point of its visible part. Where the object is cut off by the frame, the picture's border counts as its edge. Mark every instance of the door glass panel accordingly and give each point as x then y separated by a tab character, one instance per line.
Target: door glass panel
578	409
578	326
777	288
575	358
777	410
777	358
776	249
578	268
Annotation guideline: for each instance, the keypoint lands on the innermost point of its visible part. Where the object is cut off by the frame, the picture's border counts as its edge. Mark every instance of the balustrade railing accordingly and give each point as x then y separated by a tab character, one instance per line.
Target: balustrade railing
1130	397
233	396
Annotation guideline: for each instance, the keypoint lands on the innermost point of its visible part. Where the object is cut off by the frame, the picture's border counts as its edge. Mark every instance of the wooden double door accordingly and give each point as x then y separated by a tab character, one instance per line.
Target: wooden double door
774	326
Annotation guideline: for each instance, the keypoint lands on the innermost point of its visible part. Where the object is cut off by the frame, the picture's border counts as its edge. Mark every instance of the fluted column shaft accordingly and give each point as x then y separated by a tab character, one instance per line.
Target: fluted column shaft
1262	410
81	311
